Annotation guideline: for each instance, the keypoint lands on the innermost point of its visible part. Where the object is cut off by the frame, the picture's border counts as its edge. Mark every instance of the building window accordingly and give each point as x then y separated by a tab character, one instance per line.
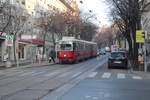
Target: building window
32	13
23	2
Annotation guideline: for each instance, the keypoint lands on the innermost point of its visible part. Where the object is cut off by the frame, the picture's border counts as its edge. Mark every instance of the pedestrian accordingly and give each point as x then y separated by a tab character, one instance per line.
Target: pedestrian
52	55
141	61
5	57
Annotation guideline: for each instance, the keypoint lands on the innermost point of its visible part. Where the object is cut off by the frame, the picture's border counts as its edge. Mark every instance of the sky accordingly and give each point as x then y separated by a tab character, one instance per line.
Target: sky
99	8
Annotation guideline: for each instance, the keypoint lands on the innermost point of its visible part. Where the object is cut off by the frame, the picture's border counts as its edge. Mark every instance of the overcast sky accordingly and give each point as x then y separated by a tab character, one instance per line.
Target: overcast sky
98	7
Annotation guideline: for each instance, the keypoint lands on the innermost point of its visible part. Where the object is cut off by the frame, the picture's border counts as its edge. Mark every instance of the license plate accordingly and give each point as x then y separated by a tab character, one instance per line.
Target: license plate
118	62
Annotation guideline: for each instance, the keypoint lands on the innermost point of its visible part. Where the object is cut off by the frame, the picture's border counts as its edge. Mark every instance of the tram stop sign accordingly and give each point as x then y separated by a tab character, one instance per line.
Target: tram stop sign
9	40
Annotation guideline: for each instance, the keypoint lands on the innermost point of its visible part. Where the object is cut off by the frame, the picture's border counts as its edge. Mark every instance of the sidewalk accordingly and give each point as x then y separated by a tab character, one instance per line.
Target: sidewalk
25	64
148	63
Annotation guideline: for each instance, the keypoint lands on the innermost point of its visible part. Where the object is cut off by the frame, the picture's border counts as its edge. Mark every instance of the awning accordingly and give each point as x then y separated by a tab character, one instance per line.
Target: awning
38	42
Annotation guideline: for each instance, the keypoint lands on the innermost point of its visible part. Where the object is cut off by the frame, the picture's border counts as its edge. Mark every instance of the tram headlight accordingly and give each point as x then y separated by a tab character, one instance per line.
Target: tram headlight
65	55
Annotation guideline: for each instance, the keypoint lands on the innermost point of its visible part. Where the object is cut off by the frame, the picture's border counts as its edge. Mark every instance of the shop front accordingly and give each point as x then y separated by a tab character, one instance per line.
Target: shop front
22	50
39	48
2	41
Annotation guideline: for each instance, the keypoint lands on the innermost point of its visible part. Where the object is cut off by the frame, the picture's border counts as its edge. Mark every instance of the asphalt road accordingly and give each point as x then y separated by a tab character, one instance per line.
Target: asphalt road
111	84
45	82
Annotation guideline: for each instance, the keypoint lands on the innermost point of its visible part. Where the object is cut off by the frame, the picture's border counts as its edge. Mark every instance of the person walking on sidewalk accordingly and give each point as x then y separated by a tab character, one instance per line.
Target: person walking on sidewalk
141	61
52	55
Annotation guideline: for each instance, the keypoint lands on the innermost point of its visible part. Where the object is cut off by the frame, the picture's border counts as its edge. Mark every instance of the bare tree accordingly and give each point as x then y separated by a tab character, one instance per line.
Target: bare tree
4	15
13	21
88	31
104	36
53	24
127	16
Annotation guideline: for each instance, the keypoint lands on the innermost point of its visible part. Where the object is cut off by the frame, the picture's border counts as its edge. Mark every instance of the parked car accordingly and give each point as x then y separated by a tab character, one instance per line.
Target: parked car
118	59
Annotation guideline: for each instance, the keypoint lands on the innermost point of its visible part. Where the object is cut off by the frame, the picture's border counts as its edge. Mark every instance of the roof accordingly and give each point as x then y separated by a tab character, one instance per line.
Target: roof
118	51
72	39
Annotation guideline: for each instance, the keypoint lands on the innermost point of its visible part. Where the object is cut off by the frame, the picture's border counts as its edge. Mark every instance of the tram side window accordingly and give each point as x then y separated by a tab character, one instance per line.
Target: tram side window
81	46
75	46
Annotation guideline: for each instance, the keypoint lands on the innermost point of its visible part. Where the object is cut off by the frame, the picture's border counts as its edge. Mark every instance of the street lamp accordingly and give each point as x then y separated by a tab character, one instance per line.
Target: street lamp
81	2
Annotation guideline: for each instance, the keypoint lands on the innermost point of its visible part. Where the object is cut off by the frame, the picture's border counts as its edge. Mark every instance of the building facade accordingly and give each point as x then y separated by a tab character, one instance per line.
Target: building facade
146	24
27	49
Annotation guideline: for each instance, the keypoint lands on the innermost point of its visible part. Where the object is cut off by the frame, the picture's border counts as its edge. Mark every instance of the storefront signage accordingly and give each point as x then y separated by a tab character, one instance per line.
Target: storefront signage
9	40
39	42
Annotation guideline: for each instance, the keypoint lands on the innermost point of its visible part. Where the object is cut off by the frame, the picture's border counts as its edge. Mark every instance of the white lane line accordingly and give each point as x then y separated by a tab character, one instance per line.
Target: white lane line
137	77
37	73
106	75
14	73
51	74
65	74
75	75
120	76
92	75
28	73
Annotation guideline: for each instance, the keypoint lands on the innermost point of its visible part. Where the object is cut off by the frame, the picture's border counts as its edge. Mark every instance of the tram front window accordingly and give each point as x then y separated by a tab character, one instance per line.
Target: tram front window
66	47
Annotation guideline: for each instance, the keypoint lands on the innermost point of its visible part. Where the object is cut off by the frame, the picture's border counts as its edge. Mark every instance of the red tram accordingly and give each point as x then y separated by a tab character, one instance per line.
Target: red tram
74	50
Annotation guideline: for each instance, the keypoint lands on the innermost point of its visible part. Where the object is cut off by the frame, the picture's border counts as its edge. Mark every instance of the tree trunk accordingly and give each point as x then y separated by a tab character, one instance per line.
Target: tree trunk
14	48
53	39
44	39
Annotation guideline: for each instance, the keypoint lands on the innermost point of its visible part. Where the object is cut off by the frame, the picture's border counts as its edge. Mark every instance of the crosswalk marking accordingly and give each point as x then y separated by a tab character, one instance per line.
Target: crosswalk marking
87	96
106	75
120	76
93	74
137	77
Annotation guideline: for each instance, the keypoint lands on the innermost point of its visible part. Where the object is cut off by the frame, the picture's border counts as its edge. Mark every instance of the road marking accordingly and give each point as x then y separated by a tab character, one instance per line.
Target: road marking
51	74
106	75
28	73
14	73
37	73
137	77
120	76
95	98
65	74
75	75
93	74
87	96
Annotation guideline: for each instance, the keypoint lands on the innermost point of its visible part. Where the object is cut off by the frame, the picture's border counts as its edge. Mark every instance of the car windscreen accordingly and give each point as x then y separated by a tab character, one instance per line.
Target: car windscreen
117	54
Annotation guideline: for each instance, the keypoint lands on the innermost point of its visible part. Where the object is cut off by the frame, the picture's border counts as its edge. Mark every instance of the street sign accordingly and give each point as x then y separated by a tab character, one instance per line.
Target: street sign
140	36
9	40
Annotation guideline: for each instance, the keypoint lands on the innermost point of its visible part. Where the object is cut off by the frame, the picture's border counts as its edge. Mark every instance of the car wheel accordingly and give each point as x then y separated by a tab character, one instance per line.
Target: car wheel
109	67
126	65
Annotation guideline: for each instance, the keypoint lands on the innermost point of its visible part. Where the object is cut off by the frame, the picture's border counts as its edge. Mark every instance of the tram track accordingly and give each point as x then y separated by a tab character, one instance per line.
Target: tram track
74	67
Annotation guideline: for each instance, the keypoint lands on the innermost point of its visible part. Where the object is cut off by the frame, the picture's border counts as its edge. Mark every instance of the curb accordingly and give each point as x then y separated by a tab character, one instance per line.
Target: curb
26	65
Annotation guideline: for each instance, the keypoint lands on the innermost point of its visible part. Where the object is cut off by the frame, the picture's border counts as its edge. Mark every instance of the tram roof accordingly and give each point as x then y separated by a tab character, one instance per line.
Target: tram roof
76	40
